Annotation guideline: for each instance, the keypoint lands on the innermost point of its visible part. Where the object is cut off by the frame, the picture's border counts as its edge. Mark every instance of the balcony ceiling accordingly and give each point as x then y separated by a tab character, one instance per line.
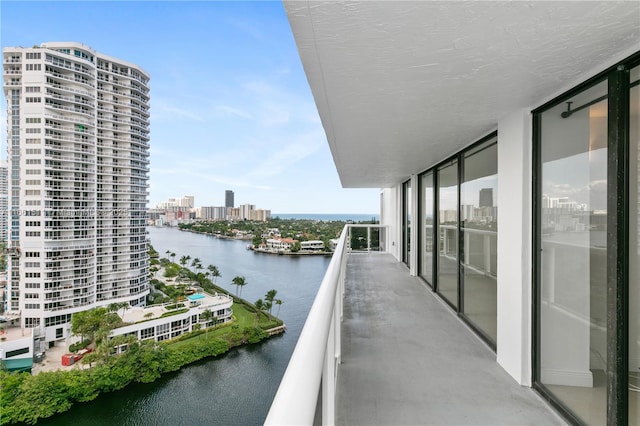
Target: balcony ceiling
402	85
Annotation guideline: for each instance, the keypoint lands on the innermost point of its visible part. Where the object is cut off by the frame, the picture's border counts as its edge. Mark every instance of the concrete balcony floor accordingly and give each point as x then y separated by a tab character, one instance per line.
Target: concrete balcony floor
407	359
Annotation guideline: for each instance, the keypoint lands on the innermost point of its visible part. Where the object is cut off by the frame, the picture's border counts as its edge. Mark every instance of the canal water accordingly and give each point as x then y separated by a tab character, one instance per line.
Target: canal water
237	388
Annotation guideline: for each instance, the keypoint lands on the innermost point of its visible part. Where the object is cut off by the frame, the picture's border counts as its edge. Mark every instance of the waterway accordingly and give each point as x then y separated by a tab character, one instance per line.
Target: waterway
237	388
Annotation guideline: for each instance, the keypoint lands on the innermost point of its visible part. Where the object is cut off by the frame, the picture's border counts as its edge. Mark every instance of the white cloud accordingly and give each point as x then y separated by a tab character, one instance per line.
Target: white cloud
233	111
282	160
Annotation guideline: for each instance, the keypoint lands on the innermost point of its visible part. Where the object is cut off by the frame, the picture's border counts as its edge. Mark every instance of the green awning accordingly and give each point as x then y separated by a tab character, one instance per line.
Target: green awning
21	364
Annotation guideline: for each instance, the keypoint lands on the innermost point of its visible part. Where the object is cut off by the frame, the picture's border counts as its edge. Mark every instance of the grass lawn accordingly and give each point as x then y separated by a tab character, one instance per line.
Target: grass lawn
243	318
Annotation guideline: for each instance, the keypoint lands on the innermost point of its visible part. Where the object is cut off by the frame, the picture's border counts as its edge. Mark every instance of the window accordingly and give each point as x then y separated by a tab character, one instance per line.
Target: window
33	99
16	352
32	55
56	320
634	247
147	333
479	236
32	141
406	222
32	130
59	333
31	322
426	226
447	231
33	67
32	120
573	153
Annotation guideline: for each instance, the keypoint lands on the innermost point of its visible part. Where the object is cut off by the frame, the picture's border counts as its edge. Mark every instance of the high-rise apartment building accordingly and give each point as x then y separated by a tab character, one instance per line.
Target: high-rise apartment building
486	197
78	145
228	199
4	204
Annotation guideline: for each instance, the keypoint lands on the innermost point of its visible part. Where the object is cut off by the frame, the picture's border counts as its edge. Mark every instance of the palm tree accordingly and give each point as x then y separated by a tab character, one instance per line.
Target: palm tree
239	282
270	297
172	256
279	303
195	263
183	261
214	272
267	308
124	306
259	304
206	316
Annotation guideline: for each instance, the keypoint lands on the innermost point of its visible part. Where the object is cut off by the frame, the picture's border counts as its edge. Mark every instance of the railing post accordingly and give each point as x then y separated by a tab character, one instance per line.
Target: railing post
487	253
368	239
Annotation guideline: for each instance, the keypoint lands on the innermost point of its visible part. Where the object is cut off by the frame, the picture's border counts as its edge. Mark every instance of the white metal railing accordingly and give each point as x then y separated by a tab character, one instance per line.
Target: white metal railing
317	354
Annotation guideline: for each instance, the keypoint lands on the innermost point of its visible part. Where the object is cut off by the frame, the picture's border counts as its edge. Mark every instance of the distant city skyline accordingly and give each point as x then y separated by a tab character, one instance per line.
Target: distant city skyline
232	107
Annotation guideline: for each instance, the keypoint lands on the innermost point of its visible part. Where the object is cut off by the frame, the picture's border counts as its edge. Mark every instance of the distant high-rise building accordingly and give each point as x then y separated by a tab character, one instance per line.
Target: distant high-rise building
245	211
78	145
486	197
228	199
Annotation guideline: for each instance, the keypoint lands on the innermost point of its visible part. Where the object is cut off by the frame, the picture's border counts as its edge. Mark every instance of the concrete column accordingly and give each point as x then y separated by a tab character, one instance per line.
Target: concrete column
515	245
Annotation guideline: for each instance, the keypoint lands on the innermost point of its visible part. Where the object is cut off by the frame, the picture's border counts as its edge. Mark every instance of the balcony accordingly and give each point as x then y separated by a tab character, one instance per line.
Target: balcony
379	347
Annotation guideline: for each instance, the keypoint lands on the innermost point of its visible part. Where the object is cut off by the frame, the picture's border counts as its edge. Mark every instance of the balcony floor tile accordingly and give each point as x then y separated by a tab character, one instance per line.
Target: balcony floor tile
407	359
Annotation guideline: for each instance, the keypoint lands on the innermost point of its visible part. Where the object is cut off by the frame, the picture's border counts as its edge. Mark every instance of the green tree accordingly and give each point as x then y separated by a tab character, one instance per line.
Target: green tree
260	306
270	297
215	273
279	303
239	282
206	316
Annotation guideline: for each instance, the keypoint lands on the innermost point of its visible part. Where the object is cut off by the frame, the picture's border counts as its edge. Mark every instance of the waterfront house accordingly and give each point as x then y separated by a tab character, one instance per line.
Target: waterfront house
311	245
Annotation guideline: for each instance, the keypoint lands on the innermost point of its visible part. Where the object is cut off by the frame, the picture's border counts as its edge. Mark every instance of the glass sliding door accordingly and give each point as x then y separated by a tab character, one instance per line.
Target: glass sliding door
479	228
406	221
447	264
426	227
572	298
634	249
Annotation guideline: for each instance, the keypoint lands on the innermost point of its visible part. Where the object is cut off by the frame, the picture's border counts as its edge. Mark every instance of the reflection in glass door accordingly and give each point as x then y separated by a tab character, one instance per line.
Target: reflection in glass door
426	226
634	250
406	219
447	267
479	228
572	309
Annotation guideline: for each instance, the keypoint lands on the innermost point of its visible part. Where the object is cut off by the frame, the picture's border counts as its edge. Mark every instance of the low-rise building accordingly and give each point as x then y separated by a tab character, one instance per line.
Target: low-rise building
312	245
280	243
155	322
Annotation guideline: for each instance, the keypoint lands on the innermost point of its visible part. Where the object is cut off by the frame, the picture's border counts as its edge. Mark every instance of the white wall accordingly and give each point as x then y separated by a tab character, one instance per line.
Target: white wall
514	245
390	208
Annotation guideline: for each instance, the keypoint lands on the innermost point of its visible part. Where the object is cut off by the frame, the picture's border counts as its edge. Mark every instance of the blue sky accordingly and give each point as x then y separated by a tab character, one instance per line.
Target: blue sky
230	104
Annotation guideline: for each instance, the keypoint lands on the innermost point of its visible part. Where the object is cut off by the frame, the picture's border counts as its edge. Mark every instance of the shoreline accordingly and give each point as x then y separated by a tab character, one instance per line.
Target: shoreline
289	253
